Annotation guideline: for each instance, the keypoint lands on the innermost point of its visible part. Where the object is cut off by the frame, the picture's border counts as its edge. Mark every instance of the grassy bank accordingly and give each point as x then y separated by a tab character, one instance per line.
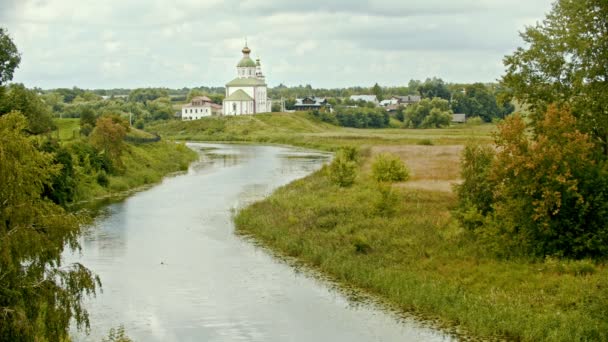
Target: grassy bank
416	257
143	163
409	251
300	130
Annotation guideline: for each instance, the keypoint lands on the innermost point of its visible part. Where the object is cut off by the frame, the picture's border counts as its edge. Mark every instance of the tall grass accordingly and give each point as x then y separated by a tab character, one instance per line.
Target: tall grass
418	258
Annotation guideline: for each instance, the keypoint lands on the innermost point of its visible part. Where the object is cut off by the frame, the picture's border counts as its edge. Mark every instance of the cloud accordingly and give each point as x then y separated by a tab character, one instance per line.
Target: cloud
117	43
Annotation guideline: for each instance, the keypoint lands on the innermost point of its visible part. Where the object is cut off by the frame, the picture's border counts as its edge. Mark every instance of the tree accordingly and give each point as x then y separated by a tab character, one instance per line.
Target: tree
476	100
550	194
564	62
38	295
19	98
108	137
377	90
9	57
434	87
428	113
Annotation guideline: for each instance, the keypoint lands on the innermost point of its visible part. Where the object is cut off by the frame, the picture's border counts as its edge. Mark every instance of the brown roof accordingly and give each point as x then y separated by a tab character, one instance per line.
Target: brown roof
202	98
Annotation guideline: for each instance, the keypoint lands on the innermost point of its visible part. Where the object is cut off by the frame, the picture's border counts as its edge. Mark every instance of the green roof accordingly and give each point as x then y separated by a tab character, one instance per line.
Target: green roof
245	82
239	95
246	62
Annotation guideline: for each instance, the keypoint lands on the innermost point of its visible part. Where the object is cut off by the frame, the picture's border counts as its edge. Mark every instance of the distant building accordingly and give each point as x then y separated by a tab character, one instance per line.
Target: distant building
366	98
200	107
459	118
389	102
406	100
247	94
310	103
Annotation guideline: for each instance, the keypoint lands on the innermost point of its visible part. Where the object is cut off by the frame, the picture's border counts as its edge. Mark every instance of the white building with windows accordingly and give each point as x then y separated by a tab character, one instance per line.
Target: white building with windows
247	94
200	107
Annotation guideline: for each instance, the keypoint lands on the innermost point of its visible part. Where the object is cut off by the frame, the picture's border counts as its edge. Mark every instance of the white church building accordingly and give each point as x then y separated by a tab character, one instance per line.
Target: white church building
247	94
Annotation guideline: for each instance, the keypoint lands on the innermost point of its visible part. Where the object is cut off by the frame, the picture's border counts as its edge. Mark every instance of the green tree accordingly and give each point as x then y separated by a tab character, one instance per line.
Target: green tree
434	87
9	57
476	100
38	295
377	90
108	137
19	98
428	113
564	62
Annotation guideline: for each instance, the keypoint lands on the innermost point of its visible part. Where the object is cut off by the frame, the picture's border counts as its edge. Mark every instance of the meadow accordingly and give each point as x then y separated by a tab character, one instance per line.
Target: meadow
406	248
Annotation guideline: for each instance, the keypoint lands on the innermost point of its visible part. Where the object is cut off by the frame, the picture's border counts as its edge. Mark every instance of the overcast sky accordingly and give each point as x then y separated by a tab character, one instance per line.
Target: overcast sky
325	43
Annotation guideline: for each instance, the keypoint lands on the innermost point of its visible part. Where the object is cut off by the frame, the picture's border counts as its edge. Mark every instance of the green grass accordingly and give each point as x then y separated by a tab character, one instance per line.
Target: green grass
299	129
420	260
67	129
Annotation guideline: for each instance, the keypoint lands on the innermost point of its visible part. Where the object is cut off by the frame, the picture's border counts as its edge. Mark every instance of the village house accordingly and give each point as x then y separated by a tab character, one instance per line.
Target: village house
311	103
366	98
406	100
459	118
200	107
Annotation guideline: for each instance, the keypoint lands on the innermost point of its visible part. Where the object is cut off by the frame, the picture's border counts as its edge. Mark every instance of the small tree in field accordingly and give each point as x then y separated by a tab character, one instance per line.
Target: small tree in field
389	168
343	169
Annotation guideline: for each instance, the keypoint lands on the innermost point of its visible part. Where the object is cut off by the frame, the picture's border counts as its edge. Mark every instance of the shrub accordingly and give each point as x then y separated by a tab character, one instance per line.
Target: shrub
475	193
474	121
102	179
389	168
425	142
343	170
386	204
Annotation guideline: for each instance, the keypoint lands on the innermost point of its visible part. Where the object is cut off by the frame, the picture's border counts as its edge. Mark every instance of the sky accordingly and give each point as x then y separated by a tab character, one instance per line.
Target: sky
324	43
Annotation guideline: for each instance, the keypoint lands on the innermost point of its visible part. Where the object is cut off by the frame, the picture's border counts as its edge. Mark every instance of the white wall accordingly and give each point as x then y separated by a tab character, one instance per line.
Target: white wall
238	107
195	113
248	90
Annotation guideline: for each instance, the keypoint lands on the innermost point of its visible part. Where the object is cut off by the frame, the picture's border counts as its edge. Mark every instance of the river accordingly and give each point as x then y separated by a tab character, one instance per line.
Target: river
173	270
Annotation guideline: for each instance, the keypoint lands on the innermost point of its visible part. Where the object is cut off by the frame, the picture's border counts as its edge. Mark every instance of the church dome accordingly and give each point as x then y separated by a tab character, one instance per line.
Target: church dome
246	62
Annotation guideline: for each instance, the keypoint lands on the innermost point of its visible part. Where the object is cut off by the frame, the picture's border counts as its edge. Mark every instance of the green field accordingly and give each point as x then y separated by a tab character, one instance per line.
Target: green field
299	129
410	252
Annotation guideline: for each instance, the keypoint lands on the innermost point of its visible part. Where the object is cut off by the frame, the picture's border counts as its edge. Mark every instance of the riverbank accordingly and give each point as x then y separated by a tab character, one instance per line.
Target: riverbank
143	163
414	255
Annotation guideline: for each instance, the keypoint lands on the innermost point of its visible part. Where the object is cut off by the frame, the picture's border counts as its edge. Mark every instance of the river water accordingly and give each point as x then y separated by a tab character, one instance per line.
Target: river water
173	270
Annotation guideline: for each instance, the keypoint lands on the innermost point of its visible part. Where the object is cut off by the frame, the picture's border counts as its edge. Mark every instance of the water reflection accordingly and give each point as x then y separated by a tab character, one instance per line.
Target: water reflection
173	269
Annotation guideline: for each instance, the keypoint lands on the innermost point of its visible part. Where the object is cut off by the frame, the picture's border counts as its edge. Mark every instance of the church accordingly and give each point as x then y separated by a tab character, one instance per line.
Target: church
247	94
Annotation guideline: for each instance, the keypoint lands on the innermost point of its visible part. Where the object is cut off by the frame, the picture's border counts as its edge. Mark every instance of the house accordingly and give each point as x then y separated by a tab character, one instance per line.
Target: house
199	107
366	98
459	118
389	102
310	103
406	100
247	94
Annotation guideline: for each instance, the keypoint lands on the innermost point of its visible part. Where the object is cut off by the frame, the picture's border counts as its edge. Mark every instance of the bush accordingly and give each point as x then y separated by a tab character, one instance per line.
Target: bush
545	194
425	142
387	203
474	121
475	192
389	168
343	169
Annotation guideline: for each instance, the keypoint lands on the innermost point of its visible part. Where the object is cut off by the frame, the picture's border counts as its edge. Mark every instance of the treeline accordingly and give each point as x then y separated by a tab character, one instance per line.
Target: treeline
487	101
359	117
